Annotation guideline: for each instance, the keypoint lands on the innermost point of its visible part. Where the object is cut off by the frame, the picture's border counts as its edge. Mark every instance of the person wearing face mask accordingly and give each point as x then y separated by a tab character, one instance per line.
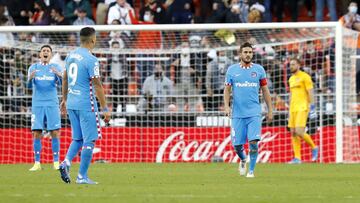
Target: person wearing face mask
351	20
158	10
72	9
156	90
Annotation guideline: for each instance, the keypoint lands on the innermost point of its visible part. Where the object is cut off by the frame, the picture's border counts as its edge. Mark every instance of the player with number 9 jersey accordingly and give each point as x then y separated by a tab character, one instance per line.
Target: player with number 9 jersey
80	85
82	66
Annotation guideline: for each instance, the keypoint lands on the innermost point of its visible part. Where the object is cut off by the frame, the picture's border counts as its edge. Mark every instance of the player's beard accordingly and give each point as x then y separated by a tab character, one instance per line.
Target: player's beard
246	60
293	70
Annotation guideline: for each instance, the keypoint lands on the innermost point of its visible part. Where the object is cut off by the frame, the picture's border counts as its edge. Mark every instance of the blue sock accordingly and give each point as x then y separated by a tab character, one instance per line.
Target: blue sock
73	149
55	146
37	149
240	152
253	156
86	156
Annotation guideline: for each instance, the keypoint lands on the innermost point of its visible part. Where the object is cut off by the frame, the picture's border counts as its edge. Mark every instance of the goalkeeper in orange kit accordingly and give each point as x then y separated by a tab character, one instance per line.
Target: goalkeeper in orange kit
301	107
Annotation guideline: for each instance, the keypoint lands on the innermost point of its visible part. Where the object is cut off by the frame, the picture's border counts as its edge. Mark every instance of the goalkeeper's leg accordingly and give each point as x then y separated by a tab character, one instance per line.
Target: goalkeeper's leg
307	138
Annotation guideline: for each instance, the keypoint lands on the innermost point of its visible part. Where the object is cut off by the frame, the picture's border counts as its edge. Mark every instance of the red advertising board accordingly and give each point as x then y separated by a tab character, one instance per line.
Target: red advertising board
166	144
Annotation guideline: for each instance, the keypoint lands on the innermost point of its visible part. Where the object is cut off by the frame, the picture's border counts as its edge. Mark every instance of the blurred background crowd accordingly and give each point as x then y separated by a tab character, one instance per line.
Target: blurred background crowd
161	84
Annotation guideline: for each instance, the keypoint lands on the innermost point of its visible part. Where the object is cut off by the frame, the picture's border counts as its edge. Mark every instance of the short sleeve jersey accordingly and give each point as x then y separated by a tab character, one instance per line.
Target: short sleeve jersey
245	82
44	84
300	83
81	66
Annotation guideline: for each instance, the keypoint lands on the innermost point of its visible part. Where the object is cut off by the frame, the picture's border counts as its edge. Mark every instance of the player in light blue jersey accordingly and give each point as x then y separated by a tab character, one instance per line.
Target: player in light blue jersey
43	78
245	80
81	82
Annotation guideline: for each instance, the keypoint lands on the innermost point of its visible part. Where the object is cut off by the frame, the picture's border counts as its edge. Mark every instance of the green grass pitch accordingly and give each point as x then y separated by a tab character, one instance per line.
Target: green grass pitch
199	182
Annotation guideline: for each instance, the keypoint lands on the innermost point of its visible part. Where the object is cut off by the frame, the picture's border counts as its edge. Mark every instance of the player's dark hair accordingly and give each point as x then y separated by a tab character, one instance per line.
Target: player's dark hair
46	46
86	33
246	44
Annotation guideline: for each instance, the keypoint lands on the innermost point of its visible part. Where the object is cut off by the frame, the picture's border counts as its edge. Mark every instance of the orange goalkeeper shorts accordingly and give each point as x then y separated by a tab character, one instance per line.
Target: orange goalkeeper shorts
298	119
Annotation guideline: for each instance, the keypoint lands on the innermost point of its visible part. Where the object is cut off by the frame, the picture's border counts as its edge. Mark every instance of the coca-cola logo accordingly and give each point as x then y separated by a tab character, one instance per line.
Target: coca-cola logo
176	148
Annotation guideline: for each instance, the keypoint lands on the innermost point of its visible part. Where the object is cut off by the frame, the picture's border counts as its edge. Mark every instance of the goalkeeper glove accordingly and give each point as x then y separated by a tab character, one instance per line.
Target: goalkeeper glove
312	113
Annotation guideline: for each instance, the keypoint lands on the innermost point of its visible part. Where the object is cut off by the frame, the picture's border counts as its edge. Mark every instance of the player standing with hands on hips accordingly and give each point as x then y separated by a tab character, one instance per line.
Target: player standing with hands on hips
244	81
81	81
43	78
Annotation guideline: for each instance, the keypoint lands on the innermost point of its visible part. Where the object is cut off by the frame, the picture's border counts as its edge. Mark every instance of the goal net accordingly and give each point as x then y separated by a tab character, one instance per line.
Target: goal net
164	85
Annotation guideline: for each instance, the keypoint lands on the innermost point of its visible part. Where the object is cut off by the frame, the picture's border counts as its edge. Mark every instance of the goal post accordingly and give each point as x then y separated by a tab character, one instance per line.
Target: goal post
186	122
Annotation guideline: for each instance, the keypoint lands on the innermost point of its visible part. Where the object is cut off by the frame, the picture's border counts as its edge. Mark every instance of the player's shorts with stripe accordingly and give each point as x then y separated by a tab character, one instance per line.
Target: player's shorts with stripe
50	114
243	129
298	119
84	125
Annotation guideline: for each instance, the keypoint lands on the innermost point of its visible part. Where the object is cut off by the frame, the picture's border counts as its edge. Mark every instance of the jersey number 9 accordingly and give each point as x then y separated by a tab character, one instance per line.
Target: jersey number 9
73	72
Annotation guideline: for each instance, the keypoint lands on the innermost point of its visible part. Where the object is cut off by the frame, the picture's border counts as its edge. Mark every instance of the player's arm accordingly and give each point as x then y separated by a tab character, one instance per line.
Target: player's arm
64	91
267	98
227	92
100	94
31	76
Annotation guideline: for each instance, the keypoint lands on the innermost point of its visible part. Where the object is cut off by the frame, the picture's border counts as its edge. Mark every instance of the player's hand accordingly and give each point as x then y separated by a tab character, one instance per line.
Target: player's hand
269	117
107	116
63	108
56	71
32	74
312	113
227	111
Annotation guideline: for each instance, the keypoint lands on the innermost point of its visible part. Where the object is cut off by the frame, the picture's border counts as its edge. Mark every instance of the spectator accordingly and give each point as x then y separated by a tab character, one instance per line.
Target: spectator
185	79
213	83
19	10
119	73
218	13
146	39
156	89
120	11
351	20
181	11
6	38
256	13
233	13
82	18
254	16
320	4
50	4
57	17
101	11
72	7
119	36
157	9
41	15
72	40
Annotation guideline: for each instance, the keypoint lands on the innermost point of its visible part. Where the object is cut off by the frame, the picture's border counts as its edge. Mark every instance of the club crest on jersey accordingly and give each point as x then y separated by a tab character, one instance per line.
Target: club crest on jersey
253	74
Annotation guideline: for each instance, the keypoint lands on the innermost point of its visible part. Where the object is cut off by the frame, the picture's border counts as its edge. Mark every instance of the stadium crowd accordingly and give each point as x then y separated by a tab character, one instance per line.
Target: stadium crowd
186	73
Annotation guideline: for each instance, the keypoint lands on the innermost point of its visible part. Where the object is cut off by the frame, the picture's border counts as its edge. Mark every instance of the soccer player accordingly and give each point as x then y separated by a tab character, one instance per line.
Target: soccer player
244	80
80	83
301	103
43	78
